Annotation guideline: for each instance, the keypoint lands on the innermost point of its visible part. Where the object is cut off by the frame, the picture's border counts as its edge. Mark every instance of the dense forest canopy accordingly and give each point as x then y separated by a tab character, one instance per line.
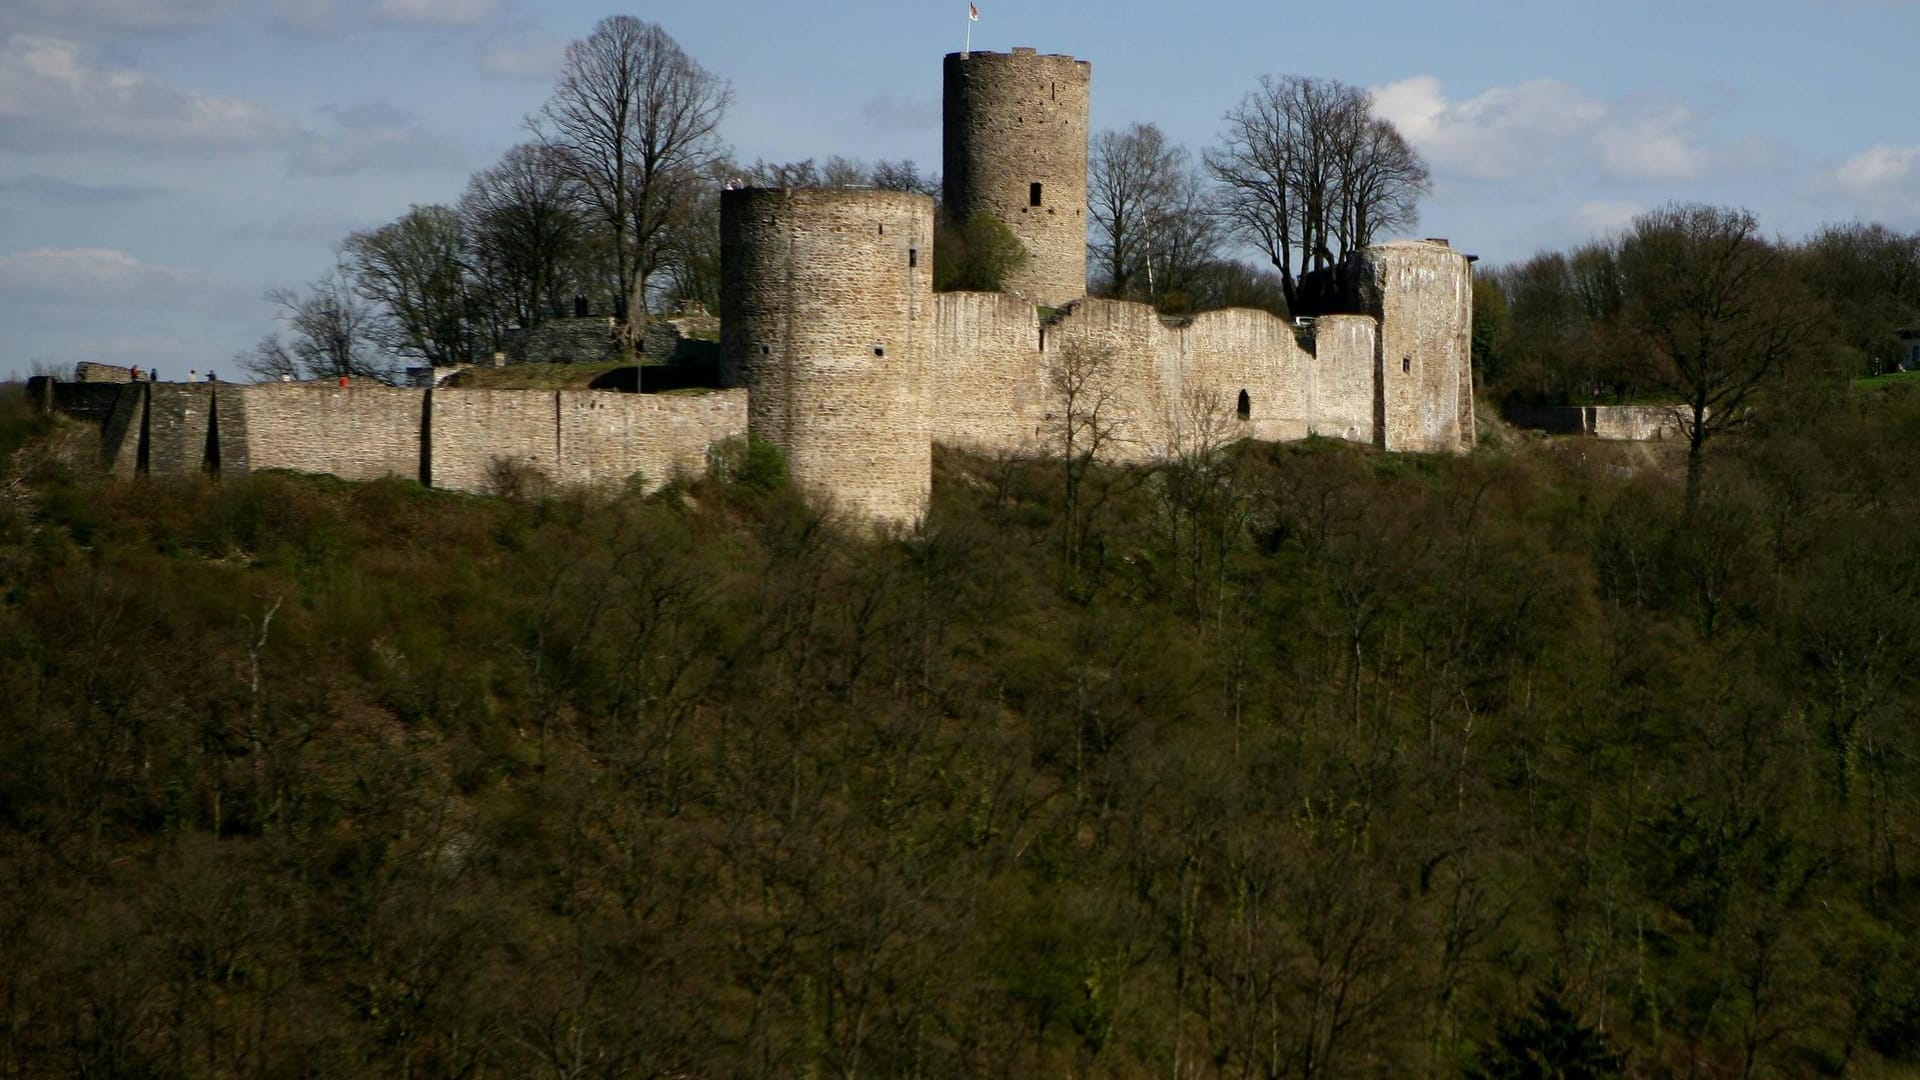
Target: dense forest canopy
1299	761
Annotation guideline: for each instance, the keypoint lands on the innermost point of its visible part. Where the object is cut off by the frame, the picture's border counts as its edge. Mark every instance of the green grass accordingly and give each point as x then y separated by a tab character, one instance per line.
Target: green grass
1890	379
534	376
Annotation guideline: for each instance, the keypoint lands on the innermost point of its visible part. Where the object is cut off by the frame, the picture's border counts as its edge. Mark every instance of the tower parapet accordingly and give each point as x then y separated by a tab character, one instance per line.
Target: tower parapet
1015	147
826	315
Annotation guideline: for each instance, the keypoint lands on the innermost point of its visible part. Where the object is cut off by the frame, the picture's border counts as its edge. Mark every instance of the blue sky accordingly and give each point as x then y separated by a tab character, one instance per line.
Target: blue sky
164	162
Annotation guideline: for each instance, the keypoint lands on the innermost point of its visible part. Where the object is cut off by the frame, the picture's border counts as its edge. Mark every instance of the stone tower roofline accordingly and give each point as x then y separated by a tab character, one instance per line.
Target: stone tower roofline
1020	51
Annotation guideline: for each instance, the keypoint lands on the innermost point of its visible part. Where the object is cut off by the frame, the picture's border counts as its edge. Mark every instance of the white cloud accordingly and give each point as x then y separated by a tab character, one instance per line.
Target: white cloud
1548	129
1605	216
435	12
890	112
56	191
539	59
376	137
305	16
102	279
1883	179
54	93
112	16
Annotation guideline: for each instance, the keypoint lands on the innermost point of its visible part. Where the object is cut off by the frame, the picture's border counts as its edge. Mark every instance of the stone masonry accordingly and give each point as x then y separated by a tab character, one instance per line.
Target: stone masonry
826	316
1015	147
840	353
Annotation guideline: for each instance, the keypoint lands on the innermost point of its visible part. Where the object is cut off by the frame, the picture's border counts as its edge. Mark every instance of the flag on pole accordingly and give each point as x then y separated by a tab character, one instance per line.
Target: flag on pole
973	13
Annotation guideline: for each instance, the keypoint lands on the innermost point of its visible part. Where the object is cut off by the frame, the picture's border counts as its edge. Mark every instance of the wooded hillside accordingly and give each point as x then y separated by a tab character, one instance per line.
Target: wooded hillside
1294	761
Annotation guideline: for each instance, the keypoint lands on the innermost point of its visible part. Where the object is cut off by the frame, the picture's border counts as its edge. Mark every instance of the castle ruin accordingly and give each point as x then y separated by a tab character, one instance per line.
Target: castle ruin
834	347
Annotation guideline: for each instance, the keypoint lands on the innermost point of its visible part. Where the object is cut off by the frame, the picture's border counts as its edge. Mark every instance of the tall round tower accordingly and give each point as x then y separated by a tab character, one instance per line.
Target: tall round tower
826	316
1016	148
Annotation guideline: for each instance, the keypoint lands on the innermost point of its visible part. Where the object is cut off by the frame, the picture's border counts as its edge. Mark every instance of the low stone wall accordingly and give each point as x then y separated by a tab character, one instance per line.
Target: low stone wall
454	439
1641	423
584	340
1636	423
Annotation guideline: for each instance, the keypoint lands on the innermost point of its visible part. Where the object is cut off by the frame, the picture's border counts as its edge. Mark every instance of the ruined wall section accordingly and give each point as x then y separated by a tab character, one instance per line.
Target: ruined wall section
607	439
1013	121
1423	290
1346	371
826	309
990	391
357	432
1160	387
1220	355
1639	423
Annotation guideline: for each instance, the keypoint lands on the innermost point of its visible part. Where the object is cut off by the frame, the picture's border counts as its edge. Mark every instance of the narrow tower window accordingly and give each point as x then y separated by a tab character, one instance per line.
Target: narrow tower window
1406	365
913	257
1245	409
1033	194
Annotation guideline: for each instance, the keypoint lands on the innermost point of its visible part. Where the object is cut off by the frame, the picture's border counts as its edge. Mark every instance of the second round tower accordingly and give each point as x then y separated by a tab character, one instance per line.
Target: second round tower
1015	148
826	316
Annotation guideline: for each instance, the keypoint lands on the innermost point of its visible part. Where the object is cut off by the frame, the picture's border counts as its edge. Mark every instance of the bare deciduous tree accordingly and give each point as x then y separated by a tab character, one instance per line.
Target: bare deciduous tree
416	270
1134	181
524	219
636	119
1305	165
903	175
329	331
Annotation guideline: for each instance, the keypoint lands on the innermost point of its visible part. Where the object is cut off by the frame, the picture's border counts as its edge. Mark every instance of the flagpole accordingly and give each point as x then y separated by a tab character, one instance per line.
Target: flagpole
969	47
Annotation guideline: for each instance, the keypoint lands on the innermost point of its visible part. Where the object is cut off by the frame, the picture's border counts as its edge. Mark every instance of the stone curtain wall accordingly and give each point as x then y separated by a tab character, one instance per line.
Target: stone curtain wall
1165	385
1346	372
179	416
359	432
826	313
990	394
1013	120
605	439
470	430
450	438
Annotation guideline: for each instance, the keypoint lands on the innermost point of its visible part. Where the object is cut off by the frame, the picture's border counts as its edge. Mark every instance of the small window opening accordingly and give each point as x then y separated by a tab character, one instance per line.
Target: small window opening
883	230
1406	365
1054	89
1245	409
1033	194
879	350
913	257
766	350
